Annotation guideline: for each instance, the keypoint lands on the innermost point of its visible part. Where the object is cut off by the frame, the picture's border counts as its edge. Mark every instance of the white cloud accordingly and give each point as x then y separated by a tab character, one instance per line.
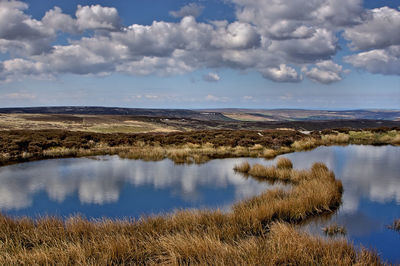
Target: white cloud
211	77
380	29
273	37
213	98
236	35
55	19
97	17
281	19
19	33
325	72
191	9
282	74
380	61
378	38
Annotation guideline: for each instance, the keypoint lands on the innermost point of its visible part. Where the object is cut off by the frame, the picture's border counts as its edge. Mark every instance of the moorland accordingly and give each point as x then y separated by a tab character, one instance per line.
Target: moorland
260	230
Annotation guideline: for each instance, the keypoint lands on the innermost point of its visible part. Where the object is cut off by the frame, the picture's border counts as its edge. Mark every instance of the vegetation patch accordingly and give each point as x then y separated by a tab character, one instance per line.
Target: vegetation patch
395	226
334	230
181	147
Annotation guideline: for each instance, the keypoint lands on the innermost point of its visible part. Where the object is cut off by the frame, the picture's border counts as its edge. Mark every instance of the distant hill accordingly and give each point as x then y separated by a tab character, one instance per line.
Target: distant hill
255	115
97	110
306	115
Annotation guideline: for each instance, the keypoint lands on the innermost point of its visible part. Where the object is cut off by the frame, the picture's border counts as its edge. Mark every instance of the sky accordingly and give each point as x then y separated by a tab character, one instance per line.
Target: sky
310	54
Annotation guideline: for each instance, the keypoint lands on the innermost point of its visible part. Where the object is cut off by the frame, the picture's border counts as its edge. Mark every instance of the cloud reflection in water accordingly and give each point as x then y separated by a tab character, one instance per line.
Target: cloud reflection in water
100	180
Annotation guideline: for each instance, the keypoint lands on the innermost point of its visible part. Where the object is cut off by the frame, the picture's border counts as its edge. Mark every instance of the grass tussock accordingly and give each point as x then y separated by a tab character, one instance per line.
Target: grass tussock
395	226
334	230
258	231
242	168
284	163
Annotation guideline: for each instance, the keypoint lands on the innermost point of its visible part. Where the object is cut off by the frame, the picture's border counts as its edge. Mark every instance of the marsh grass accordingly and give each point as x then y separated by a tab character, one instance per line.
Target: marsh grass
364	137
284	163
395	226
258	231
242	168
334	230
199	147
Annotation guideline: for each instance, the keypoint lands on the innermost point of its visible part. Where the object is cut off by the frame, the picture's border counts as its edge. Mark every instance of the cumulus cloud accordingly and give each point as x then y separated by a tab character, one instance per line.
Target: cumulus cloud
19	33
236	35
378	38
282	74
211	77
325	72
191	9
57	20
273	37
379	30
97	17
282	19
380	61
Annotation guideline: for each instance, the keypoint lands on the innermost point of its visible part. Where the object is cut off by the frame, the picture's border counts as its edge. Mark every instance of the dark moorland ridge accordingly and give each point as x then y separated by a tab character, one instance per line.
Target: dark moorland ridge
97	110
214	114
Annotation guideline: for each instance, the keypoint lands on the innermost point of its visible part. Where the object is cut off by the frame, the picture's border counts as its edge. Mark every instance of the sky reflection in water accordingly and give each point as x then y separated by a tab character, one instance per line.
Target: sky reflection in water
113	187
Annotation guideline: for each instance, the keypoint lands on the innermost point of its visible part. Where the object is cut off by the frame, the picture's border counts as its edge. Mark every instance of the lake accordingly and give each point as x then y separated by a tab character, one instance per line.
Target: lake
108	186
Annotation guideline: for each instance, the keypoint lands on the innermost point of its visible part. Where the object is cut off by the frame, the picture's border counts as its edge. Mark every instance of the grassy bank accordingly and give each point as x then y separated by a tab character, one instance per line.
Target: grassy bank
181	147
258	231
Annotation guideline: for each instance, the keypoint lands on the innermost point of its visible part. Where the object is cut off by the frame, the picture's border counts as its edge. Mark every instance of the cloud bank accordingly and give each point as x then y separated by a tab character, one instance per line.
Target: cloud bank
282	40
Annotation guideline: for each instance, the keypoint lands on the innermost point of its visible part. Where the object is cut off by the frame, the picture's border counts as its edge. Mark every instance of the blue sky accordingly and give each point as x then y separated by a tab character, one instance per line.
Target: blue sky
342	54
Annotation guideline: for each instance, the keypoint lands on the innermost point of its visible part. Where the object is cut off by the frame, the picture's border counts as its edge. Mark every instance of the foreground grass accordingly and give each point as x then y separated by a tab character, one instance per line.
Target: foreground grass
258	231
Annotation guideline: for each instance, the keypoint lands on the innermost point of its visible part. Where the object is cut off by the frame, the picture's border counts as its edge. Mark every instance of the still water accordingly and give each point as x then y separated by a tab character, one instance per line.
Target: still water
108	186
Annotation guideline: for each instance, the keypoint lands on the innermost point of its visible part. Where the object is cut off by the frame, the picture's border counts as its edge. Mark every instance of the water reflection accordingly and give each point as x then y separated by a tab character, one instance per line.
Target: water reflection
100	180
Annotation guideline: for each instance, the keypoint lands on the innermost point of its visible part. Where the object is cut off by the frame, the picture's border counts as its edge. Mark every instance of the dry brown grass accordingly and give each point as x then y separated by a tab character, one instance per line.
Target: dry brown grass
305	144
255	232
364	137
396	225
284	163
339	138
334	229
242	168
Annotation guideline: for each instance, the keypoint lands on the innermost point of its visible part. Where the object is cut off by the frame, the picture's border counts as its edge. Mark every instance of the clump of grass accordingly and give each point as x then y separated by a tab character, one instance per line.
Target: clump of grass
340	138
287	246
396	139
305	144
334	229
395	226
284	163
242	168
269	153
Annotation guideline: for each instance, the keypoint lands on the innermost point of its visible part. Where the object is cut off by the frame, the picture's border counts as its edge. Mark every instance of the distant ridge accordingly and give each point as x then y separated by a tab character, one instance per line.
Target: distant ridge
227	114
98	110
